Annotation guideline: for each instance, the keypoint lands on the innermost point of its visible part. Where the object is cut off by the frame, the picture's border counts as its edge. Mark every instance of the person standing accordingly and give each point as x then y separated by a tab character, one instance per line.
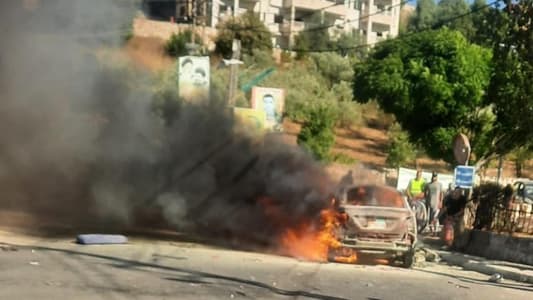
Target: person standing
416	186
434	194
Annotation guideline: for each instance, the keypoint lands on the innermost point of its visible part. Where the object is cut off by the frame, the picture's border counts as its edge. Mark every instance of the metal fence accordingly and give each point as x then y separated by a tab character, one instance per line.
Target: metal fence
518	219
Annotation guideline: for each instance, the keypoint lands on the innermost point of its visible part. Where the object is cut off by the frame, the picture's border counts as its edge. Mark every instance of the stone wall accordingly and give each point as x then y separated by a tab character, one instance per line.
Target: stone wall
500	247
149	28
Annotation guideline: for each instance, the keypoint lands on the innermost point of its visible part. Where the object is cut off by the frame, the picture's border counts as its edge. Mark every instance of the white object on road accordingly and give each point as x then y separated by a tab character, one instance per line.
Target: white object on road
496	277
101	239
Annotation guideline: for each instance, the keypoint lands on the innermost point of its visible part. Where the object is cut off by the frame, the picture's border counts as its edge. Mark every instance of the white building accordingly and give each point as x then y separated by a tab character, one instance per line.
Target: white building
380	19
375	20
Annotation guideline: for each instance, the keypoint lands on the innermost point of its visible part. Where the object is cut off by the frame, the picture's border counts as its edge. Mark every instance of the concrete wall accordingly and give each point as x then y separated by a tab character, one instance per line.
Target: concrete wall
163	30
500	247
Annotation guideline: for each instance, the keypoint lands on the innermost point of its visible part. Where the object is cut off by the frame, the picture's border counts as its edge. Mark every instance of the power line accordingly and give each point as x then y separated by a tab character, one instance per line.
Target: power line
377	12
253	28
434	27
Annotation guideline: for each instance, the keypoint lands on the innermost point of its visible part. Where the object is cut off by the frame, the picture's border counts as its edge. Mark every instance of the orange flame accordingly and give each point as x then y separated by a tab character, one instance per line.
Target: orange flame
316	240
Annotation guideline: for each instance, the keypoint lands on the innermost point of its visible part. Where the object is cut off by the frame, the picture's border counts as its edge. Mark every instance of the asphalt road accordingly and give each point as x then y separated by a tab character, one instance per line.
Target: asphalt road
147	269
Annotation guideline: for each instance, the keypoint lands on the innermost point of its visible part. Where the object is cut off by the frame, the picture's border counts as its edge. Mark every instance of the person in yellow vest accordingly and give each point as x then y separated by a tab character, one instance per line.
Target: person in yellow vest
416	187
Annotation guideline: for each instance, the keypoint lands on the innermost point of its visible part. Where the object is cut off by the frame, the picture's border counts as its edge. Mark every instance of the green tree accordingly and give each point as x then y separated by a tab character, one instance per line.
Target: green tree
317	134
176	45
488	23
400	150
511	90
433	82
333	67
520	156
450	9
247	28
424	16
314	37
347	44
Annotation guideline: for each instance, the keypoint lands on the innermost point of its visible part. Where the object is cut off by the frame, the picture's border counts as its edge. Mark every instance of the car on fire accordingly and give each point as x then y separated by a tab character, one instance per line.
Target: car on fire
378	221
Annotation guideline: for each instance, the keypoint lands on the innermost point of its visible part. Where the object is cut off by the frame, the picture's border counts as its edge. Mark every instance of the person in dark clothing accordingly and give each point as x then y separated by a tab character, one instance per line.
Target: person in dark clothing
454	205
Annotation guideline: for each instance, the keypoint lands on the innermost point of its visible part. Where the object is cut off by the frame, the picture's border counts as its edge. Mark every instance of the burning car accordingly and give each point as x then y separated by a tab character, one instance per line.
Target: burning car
377	221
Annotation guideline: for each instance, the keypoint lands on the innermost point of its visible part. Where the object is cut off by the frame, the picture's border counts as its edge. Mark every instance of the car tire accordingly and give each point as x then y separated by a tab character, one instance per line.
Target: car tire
408	259
331	255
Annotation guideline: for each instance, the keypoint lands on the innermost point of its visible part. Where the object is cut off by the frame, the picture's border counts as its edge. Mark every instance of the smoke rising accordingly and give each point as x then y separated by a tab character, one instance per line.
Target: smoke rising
81	141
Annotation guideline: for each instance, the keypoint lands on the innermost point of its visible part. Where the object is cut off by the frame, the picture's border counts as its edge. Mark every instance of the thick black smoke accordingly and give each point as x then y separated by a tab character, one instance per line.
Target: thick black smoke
80	142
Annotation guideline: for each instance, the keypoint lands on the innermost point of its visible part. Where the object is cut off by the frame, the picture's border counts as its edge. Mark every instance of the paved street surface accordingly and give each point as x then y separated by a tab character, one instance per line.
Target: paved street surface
145	269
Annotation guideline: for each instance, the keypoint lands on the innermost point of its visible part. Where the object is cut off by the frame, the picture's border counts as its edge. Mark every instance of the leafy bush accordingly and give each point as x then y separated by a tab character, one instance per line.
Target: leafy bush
349	114
317	134
176	45
259	59
249	29
333	67
314	38
399	150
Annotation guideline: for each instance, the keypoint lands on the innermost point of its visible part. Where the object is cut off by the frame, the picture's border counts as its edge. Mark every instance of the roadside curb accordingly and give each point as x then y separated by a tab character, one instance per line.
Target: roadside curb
471	264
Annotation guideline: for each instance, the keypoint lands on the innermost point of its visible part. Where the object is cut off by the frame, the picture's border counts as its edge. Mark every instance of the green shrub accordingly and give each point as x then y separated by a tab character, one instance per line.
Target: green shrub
399	150
349	114
176	45
317	134
249	29
259	59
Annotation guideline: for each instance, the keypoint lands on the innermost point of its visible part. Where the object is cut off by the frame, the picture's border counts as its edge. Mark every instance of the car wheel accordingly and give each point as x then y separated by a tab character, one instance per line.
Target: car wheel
408	259
331	255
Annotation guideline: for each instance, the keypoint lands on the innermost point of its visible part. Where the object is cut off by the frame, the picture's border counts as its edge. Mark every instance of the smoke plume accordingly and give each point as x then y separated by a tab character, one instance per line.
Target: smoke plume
80	142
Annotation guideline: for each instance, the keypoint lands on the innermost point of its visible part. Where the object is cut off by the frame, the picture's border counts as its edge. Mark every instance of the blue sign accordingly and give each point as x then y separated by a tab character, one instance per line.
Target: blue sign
465	176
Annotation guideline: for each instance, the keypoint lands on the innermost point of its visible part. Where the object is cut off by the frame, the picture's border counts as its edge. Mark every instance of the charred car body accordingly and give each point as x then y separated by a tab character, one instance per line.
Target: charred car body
378	221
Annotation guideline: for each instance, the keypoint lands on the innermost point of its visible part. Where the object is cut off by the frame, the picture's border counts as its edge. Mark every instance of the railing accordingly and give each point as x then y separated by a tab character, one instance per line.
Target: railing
513	220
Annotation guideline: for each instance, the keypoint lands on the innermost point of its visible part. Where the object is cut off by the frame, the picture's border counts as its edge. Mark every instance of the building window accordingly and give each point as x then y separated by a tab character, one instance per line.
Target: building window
380	34
278	19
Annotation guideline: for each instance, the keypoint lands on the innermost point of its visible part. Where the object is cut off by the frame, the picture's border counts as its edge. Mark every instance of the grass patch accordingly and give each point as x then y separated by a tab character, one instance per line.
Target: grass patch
343	158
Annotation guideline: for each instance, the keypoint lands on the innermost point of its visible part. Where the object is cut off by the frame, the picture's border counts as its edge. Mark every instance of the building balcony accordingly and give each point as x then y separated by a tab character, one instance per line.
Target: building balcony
327	6
382	19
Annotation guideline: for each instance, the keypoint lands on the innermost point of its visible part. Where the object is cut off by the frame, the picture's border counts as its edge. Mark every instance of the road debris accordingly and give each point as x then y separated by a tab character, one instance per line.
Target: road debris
240	293
430	255
101	239
8	248
496	278
34	263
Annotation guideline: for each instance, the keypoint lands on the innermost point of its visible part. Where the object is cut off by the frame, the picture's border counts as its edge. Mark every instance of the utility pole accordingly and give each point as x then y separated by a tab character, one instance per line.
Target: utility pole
234	71
193	13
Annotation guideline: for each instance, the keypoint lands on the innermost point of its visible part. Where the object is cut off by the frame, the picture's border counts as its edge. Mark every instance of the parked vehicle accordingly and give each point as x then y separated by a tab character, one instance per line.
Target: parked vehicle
523	191
380	222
